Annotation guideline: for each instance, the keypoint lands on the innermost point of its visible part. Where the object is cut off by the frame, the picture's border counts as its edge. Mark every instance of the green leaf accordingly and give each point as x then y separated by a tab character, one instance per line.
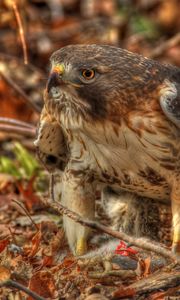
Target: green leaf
142	24
27	162
7	166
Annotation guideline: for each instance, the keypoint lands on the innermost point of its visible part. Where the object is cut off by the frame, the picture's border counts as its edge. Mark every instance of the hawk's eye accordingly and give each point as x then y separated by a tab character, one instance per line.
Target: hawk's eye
88	74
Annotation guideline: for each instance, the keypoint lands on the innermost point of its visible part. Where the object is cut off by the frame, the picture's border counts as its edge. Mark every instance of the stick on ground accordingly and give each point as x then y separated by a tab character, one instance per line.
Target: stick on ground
138	242
16	122
18	130
13	284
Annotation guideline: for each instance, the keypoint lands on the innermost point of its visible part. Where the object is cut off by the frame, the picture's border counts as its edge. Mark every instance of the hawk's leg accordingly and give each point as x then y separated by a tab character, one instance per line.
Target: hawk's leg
78	196
175	197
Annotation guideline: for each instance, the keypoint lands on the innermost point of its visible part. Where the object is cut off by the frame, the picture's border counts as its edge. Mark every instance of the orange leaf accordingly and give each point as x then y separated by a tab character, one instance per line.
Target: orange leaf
31	200
43	284
124	292
68	263
3	244
147	264
5	273
35	245
47	261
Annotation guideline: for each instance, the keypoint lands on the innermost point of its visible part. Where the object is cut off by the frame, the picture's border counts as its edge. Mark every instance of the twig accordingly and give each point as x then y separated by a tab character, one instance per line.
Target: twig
123	274
12	235
165	46
138	242
13	284
158	281
26	212
91	261
21	31
18	130
11	121
20	91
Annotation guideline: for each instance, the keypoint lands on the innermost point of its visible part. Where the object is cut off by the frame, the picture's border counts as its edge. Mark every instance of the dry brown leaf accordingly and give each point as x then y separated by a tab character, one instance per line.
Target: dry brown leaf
3	244
43	284
124	292
31	251
5	179
147	266
31	199
5	273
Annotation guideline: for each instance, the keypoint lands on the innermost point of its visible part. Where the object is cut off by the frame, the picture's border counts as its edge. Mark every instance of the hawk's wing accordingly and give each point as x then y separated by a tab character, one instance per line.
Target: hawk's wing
170	101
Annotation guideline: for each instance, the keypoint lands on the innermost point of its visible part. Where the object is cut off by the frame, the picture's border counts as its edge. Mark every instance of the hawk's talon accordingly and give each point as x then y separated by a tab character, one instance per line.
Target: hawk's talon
81	246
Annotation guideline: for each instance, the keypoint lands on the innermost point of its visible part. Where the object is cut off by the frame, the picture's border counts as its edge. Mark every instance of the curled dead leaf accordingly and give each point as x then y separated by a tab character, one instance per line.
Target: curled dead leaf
36	240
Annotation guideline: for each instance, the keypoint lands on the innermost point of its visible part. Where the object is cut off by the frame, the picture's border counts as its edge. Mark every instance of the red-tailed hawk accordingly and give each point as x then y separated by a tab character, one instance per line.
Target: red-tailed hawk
119	125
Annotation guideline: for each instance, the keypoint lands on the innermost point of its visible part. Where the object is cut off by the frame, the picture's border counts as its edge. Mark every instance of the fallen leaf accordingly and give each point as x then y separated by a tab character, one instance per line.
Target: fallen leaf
123	293
3	244
43	284
30	198
31	251
5	273
5	200
47	261
5	179
147	265
4	232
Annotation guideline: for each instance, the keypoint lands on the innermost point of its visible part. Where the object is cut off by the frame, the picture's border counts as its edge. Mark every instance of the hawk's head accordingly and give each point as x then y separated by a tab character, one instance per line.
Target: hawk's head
98	78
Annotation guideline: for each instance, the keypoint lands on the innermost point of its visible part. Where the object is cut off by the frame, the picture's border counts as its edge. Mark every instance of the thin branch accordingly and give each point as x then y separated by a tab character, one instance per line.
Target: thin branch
12	235
123	274
11	121
159	50
138	242
13	284
26	212
158	281
21	31
20	91
18	130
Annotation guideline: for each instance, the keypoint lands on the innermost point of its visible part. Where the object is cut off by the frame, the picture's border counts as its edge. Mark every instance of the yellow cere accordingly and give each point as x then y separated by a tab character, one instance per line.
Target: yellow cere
58	69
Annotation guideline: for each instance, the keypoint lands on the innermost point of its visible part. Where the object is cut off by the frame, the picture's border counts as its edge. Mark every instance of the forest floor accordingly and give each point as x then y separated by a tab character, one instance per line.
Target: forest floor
35	261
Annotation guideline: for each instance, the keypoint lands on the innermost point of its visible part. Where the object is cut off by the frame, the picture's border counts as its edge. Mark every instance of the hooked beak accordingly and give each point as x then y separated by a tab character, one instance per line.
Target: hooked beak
54	77
53	81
